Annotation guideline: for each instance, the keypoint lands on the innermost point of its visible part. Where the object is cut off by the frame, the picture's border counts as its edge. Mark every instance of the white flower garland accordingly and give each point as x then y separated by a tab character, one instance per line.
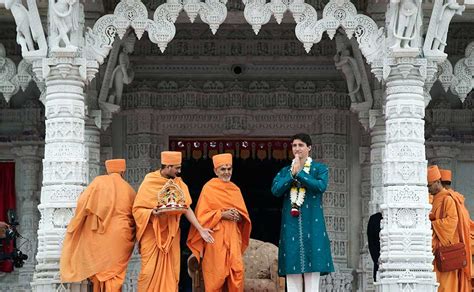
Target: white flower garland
297	194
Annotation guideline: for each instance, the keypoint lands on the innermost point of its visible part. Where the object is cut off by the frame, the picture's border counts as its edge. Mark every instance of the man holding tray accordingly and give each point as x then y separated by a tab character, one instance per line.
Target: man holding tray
221	207
161	200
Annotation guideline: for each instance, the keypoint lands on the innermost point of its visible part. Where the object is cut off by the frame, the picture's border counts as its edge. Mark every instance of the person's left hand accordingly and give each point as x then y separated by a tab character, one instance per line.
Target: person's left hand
206	235
4	225
431	216
236	215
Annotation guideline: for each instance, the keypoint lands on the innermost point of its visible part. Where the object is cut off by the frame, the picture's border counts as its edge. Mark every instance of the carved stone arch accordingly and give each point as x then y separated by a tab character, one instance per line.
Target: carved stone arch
341	14
309	30
128	14
161	30
8	83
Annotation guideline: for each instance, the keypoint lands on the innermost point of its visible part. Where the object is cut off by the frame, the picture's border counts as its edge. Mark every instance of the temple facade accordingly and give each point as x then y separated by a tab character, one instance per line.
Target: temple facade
384	88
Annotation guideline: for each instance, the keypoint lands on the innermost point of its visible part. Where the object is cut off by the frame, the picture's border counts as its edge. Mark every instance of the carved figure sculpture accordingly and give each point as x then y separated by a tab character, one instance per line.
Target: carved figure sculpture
20	14
63	18
123	73
448	10
350	69
406	21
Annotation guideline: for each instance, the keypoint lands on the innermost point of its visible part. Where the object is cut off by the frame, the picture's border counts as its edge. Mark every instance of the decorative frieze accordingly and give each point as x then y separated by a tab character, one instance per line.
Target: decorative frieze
267	95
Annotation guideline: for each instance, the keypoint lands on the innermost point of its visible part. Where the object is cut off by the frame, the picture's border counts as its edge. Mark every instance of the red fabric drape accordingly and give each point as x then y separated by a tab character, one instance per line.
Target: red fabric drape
7	201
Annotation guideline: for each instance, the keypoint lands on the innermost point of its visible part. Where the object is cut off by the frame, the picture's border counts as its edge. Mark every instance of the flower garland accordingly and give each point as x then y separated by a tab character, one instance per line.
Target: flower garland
297	191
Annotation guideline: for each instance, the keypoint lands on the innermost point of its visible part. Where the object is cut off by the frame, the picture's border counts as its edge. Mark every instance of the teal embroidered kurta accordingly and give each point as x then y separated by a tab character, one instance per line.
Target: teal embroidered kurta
304	243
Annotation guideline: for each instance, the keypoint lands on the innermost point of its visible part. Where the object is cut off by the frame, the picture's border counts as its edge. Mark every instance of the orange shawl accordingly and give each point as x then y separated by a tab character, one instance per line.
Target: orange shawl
447	232
216	196
101	235
158	236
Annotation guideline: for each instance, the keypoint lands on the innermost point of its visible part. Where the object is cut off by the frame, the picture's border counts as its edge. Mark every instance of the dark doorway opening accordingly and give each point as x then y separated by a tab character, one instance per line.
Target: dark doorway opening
256	162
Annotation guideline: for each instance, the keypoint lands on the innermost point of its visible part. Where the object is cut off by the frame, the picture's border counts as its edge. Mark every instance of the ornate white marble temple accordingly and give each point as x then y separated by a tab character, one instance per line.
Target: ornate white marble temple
381	91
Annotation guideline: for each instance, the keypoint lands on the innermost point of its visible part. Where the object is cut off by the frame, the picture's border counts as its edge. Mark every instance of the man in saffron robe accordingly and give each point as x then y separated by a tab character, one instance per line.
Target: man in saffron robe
446	214
304	249
221	208
100	237
158	233
446	179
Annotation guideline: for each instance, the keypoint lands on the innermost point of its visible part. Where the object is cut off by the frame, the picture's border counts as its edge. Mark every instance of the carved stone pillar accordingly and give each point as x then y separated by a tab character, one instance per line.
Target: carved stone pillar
365	262
28	174
377	148
406	257
143	145
106	150
92	144
331	139
65	168
371	158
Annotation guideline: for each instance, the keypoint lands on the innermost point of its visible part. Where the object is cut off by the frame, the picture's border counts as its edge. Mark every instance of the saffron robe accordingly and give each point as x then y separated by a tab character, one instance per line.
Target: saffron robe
158	235
100	237
304	243
222	260
445	233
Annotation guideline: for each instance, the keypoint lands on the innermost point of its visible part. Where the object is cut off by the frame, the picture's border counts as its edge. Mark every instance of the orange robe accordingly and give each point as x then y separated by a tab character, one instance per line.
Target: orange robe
100	237
159	237
472	250
445	232
222	260
466	275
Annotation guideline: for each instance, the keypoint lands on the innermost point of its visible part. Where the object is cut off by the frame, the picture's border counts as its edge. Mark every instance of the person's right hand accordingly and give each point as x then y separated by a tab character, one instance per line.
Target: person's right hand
296	165
206	235
3	225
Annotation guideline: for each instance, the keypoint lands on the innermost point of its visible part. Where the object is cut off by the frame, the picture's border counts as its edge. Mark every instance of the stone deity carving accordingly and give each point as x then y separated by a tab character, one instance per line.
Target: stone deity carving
350	69
406	22
22	20
123	72
63	18
448	10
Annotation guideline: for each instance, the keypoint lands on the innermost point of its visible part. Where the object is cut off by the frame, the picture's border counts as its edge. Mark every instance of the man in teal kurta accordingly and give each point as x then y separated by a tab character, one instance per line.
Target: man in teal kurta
304	243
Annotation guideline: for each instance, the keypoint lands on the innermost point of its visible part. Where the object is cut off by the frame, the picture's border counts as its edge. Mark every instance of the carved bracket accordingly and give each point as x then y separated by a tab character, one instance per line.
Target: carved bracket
12	79
460	79
9	85
463	82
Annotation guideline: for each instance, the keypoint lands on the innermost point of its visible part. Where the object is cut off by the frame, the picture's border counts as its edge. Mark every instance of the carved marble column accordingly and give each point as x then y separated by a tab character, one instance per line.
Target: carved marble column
406	257
330	145
365	267
143	145
106	150
65	169
28	174
377	148
92	143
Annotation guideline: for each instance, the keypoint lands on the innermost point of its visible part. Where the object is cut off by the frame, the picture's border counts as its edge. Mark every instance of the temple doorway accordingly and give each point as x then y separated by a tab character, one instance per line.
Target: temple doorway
256	162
